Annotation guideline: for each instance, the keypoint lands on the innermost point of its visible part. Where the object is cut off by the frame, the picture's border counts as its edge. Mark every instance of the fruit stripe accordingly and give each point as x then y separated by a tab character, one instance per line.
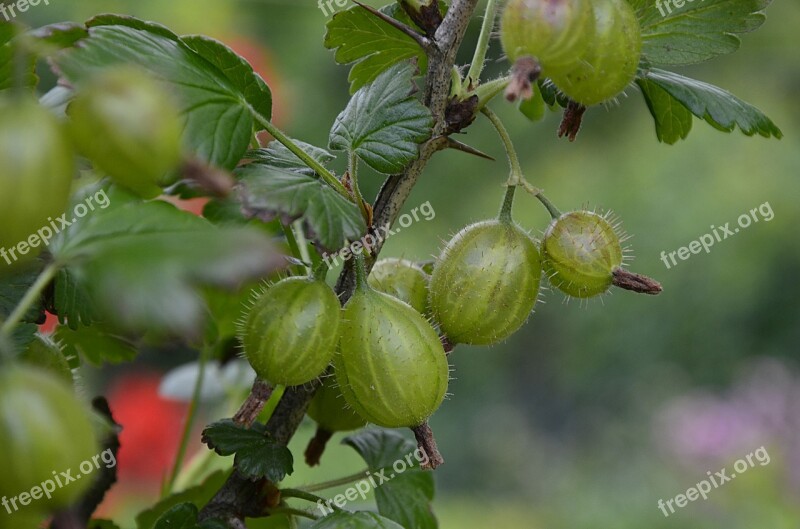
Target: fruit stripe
392	368
507	261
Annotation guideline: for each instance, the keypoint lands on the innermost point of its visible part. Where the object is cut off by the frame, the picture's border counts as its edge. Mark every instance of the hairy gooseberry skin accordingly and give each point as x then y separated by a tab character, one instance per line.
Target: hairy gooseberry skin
402	279
391	366
36	172
125	123
485	283
45	354
555	32
610	64
290	334
581	251
43	428
330	411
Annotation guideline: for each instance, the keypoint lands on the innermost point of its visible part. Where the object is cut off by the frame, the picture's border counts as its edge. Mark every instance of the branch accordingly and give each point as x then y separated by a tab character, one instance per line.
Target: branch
239	498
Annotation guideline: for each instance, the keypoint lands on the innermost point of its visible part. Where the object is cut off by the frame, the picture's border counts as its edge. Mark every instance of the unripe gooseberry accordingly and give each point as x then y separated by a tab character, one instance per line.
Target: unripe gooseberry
485	283
402	279
554	32
330	410
391	366
128	126
45	354
43	429
290	334
581	251
610	64
36	171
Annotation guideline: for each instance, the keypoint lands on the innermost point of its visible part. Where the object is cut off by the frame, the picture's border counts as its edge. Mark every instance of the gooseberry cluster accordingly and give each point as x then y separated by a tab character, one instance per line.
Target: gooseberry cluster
590	49
387	345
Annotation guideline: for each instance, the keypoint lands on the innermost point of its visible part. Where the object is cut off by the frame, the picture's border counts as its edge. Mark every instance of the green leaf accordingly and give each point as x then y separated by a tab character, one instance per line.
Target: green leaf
673	120
216	103
354	520
183	516
142	263
277	155
197	496
406	497
373	45
14	287
698	31
257	455
267	192
8	55
236	69
719	108
94	345
384	123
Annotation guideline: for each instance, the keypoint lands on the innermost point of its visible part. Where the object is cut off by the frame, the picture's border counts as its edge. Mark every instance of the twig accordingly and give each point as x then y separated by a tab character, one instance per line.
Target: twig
255	402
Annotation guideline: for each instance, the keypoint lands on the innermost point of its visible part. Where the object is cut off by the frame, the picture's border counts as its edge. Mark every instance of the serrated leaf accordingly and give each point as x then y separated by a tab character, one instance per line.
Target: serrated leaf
719	108
277	155
267	192
373	45
216	104
96	346
696	32
197	496
236	69
384	123
406	497
257	455
141	265
354	520
673	120
183	516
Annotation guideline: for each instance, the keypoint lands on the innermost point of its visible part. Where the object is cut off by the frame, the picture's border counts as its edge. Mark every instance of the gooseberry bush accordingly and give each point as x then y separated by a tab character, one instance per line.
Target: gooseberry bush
141	115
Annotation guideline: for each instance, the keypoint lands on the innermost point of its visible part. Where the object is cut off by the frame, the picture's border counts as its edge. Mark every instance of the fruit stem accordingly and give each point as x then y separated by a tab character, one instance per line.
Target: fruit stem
488	91
294	248
303	495
28	300
352	165
479	59
361	272
188	423
554	212
307	159
325	485
321	271
508	204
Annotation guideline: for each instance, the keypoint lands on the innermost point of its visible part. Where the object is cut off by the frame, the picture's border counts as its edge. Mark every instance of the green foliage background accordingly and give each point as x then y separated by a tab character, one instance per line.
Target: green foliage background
556	427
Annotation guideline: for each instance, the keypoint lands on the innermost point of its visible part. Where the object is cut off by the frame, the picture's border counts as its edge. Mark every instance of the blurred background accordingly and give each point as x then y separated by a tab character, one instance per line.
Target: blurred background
592	413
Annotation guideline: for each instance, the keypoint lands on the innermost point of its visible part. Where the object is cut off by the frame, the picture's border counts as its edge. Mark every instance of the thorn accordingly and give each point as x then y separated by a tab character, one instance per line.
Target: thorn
423	41
463	147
